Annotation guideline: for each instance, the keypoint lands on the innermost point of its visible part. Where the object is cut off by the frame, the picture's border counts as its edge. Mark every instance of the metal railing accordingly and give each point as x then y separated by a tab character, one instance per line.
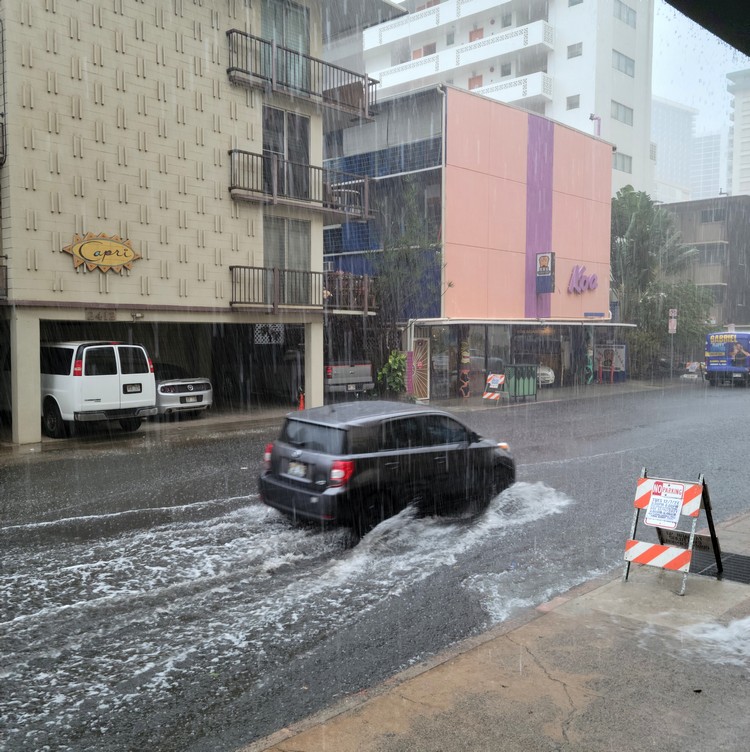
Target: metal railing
276	288
268	176
297	73
344	291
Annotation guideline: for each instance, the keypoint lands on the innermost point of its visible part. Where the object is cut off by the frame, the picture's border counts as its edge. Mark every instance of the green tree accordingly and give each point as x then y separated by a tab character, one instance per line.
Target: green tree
647	257
407	271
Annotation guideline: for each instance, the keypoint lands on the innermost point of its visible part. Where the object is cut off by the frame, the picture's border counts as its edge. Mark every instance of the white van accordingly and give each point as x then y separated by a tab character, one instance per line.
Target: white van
95	381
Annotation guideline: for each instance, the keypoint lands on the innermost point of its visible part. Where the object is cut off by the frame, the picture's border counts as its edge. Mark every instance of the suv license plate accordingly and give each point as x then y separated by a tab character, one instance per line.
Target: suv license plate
132	388
351	387
191	398
297	469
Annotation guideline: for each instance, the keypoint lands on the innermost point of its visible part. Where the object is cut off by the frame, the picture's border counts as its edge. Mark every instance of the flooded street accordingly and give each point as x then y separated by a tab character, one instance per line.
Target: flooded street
208	624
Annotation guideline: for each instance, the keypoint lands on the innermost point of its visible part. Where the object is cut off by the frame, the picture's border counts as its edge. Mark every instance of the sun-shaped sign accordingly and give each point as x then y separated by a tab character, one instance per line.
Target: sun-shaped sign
103	252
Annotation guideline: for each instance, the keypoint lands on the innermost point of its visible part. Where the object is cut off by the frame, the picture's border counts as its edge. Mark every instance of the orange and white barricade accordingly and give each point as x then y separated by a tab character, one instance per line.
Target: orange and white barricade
664	503
493	389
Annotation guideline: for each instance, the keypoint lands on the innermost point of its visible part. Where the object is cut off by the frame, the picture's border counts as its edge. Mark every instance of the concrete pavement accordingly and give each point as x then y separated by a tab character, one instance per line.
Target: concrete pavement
610	665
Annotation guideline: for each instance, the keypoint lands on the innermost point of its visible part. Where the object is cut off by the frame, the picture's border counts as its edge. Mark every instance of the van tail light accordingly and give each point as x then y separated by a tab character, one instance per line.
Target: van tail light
341	471
78	368
504	445
329	372
267	456
150	366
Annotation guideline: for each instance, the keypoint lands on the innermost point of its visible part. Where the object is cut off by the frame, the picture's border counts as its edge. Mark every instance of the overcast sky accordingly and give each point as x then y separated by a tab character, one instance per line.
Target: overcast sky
690	67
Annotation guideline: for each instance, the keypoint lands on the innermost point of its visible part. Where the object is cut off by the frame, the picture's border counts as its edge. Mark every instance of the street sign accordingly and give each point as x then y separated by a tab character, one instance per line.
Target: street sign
672	313
672	326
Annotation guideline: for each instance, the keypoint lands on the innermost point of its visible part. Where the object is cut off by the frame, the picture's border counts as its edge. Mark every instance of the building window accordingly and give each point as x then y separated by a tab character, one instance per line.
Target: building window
475	82
571	3
710	254
575	50
624	13
713	215
429	49
505	70
506	20
573	103
622	162
286	153
623	63
476	34
622	113
450	38
287	246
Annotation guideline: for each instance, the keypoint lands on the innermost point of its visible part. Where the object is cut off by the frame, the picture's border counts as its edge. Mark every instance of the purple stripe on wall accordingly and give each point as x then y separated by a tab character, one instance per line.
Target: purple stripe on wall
539	159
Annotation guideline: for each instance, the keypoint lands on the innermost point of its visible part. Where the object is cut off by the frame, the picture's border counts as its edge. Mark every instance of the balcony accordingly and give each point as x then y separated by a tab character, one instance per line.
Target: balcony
269	179
262	63
535	37
451	12
277	289
348	293
535	87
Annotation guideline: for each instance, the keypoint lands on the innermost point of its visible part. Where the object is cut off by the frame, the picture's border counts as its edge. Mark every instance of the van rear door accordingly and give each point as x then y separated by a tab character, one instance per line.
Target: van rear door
137	386
100	385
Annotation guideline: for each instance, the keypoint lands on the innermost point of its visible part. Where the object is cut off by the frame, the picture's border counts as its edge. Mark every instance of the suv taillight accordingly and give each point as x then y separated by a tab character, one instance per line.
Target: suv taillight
78	368
267	456
341	471
150	366
329	372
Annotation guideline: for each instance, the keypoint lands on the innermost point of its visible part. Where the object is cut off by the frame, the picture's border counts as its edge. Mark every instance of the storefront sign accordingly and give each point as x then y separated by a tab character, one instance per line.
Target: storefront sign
545	273
580	282
103	252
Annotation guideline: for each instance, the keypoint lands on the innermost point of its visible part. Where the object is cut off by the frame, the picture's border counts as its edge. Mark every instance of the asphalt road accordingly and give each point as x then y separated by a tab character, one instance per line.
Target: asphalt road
150	601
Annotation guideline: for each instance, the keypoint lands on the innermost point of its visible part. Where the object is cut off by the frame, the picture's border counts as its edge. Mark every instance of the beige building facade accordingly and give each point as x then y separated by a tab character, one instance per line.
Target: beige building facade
162	183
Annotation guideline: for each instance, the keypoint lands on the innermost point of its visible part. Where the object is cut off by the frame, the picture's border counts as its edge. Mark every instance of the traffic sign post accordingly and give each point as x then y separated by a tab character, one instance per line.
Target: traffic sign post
672	329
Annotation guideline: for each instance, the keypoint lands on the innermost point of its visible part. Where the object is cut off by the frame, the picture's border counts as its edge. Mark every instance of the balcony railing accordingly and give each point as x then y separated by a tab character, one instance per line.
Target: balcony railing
260	62
524	41
344	291
275	289
269	178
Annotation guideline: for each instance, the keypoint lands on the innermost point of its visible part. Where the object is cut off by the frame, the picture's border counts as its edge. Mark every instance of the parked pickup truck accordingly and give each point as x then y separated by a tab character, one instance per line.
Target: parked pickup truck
348	378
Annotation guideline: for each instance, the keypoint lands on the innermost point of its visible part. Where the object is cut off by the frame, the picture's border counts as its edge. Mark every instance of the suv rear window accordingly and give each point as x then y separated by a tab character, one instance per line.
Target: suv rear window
56	360
132	360
314	437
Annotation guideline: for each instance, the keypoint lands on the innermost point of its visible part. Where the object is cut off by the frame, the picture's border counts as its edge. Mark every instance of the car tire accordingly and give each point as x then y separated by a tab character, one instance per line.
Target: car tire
130	424
52	422
502	478
372	511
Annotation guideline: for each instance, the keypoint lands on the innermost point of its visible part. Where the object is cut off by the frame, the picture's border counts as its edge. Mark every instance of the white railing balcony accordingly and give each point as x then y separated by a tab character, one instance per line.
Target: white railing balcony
428	20
534	86
533	36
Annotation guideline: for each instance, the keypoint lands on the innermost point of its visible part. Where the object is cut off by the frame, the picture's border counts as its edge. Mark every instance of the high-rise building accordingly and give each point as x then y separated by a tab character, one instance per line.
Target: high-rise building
672	132
705	167
584	64
739	138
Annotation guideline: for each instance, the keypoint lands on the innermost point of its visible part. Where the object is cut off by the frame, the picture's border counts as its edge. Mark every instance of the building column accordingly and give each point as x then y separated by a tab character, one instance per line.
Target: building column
24	377
314	364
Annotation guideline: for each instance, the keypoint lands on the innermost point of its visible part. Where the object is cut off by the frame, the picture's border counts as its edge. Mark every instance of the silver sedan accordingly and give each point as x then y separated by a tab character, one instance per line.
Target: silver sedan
178	392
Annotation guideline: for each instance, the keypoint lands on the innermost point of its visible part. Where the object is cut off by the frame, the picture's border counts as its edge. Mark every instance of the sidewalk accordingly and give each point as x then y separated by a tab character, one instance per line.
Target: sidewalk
610	665
223	421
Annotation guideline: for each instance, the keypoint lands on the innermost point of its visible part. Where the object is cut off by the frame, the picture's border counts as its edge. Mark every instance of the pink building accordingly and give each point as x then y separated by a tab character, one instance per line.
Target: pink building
518	185
519	207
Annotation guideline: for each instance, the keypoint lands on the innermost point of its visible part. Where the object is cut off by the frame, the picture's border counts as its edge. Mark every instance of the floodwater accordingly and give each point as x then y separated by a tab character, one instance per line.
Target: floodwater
104	636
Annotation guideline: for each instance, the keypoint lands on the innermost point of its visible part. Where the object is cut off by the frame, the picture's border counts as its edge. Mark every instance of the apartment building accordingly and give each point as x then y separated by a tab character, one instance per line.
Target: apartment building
584	63
717	228
162	183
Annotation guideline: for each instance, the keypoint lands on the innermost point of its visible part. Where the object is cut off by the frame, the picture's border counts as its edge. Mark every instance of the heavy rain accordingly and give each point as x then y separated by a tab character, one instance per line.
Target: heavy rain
531	215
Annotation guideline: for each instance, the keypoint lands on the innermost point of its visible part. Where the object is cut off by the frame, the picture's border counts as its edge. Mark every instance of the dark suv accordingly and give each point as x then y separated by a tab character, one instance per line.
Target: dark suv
359	462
